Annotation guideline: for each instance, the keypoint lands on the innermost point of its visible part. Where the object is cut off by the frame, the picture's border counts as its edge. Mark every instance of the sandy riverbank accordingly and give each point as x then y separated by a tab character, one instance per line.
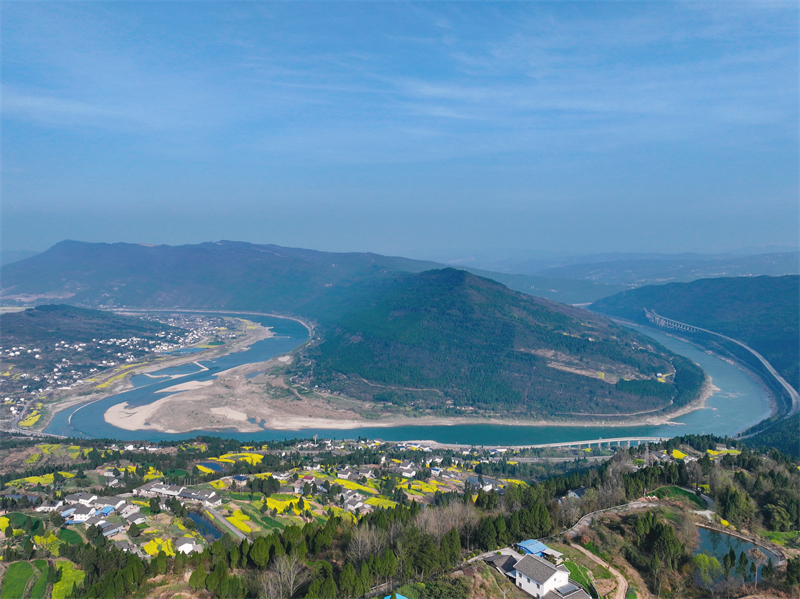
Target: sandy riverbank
245	400
68	401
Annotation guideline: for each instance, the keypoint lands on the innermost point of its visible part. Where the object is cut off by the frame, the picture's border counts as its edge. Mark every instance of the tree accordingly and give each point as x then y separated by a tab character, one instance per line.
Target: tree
793	570
707	568
451	547
768	570
500	527
198	579
160	563
328	588
285	575
741	567
347	581
487	534
133	531
155	505
259	552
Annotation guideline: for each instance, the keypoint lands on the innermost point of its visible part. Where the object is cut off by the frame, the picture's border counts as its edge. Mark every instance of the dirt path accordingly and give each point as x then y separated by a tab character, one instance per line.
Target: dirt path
622	584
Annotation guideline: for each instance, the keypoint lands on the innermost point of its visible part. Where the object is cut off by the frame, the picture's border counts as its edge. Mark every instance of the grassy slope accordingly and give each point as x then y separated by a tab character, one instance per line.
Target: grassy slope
15	580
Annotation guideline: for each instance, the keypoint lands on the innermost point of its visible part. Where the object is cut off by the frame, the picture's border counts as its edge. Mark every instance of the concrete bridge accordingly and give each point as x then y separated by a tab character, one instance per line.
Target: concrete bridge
668	323
599	443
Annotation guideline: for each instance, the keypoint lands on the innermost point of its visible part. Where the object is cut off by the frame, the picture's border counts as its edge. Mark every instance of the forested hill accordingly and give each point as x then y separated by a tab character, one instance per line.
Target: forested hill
47	323
759	311
449	340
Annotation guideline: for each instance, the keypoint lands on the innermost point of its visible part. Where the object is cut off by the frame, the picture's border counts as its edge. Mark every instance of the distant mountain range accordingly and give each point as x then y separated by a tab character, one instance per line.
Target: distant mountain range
657	271
393	330
759	311
7	257
226	274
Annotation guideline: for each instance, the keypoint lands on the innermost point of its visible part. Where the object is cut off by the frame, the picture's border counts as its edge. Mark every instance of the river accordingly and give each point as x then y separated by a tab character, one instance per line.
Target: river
740	403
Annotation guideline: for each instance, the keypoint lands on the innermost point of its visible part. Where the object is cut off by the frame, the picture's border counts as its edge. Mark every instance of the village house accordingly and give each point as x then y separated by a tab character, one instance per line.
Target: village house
543	580
85	499
50	506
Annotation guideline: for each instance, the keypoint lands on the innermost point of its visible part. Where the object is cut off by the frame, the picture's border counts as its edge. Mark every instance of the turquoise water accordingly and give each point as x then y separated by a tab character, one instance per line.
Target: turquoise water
740	403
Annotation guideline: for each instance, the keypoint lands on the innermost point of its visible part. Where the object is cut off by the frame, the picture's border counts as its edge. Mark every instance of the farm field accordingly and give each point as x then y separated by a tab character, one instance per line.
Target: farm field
16	580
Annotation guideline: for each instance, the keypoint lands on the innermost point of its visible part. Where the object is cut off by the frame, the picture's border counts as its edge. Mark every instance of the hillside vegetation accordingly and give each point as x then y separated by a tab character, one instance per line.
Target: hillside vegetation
71	324
759	311
448	338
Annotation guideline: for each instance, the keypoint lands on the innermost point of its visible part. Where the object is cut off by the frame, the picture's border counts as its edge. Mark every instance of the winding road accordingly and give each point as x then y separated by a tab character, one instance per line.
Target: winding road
621	592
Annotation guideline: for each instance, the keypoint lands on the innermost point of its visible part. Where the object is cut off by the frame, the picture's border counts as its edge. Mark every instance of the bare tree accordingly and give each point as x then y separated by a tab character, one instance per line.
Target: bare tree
695	473
366	541
286	574
471	519
395	531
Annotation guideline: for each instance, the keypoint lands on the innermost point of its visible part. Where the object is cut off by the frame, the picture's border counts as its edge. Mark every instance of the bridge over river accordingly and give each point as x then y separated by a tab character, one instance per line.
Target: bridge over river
669	323
618	442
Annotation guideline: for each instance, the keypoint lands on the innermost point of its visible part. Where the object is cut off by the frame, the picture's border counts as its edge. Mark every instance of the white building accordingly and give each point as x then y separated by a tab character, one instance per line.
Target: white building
50	507
187	546
543	580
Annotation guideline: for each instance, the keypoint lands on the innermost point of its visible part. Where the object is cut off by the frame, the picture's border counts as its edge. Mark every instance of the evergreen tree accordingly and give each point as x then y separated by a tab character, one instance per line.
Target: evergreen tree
198	578
347	581
487	534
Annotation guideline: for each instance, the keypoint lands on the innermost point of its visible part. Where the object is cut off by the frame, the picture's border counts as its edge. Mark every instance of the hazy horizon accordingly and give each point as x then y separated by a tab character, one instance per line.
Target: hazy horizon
434	130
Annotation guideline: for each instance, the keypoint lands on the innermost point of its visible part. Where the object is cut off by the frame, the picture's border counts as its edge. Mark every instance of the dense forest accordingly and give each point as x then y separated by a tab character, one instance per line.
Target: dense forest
448	336
759	311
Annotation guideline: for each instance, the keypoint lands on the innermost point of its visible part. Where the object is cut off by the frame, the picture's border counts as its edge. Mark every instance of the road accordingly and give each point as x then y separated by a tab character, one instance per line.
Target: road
621	592
221	519
586	520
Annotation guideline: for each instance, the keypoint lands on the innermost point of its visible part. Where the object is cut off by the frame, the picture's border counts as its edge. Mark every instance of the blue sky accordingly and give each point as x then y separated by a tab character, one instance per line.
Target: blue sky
428	130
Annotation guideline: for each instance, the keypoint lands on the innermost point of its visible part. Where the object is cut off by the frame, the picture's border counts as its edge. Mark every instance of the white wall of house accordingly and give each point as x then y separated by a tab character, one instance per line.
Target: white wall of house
532	587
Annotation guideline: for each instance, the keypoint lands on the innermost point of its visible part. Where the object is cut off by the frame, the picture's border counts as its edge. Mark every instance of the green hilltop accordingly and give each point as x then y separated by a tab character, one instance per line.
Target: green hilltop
447	339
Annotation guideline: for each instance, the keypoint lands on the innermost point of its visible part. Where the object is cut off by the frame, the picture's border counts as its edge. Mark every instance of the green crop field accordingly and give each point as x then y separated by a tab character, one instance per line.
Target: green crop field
272	523
69	577
680	495
16	579
40	586
578	573
70	536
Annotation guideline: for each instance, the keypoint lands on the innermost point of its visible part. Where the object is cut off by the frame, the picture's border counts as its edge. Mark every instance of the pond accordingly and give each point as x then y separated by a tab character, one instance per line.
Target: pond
212	466
717	544
204	526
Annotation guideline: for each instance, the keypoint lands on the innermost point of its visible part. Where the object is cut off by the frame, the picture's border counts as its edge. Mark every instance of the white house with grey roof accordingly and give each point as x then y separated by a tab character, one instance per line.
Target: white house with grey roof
543	580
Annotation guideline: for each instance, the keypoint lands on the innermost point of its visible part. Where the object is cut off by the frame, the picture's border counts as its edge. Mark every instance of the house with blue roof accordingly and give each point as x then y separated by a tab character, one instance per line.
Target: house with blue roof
534	547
